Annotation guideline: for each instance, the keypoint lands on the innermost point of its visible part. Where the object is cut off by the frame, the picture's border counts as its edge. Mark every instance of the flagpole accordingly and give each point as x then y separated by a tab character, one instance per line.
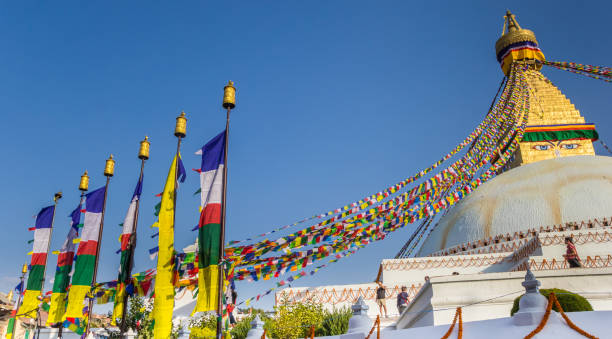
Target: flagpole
24	271
143	155
229	102
57	196
180	131
83	187
109	171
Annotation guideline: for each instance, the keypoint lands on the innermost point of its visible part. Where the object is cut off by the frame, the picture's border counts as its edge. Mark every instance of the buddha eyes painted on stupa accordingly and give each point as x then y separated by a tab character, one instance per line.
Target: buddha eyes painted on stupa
566	145
542	147
569	146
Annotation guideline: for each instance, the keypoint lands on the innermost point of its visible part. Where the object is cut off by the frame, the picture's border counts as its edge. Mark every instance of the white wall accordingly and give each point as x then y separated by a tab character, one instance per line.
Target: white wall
449	292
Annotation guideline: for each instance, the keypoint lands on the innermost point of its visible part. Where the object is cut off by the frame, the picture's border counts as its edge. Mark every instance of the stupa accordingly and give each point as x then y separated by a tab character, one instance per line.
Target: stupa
554	187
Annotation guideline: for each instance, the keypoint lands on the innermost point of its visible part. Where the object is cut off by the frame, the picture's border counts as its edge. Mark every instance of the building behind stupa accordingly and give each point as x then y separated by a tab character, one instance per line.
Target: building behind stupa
554	187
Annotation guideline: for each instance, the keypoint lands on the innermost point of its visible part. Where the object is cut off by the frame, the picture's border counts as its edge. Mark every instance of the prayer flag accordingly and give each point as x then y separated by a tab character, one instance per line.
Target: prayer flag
86	255
62	271
211	183
128	242
42	234
164	287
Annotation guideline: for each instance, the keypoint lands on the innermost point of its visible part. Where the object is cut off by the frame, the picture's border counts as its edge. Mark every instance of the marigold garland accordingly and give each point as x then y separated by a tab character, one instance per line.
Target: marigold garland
569	322
552	298
460	327
377	322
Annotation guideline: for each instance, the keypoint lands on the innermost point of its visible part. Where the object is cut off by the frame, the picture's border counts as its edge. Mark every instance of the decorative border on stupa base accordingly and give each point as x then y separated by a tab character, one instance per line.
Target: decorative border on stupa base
445	262
495	244
597	261
333	296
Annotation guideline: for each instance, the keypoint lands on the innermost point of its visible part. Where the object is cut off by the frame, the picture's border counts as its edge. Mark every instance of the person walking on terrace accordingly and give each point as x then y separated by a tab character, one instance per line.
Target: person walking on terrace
402	300
571	254
381	295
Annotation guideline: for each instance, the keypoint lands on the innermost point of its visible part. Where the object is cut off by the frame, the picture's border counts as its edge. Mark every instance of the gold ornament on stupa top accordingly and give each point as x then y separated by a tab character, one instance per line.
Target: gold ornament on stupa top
555	127
516	44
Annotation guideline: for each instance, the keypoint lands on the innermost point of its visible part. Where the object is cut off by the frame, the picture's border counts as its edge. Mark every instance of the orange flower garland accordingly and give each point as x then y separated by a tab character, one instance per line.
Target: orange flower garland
377	322
460	328
552	298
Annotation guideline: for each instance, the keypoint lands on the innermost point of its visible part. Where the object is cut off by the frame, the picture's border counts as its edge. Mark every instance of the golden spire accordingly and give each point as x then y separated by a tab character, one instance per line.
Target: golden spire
510	22
516	44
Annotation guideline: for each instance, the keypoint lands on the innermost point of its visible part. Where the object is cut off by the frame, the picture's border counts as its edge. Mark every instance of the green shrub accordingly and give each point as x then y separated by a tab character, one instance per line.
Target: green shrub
293	320
334	323
570	302
202	333
203	327
242	327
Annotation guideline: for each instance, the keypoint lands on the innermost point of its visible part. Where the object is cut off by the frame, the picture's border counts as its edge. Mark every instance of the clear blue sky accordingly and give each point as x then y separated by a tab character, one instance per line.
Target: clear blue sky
336	100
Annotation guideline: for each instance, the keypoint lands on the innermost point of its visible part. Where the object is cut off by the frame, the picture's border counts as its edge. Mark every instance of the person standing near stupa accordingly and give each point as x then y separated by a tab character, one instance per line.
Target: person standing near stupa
381	295
571	254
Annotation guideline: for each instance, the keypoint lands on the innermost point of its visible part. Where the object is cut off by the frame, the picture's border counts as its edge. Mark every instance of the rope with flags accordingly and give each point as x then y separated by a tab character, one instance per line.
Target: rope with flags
488	153
595	72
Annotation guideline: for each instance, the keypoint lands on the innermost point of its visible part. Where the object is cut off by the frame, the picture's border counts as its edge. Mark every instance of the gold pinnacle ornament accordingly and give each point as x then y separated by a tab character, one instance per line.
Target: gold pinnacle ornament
57	196
84	184
143	153
109	169
181	126
229	95
24	269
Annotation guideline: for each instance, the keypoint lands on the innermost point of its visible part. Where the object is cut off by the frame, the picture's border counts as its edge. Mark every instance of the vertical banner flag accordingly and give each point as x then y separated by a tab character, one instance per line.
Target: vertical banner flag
128	242
211	184
164	285
62	272
10	328
86	255
42	233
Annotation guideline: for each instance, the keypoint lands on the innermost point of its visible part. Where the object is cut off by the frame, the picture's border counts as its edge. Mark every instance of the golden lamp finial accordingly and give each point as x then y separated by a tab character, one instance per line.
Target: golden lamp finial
229	95
180	130
24	268
510	22
109	169
143	152
84	184
57	196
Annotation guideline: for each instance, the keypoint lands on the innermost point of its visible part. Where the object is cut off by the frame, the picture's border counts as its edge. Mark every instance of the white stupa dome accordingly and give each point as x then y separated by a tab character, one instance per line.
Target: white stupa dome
543	193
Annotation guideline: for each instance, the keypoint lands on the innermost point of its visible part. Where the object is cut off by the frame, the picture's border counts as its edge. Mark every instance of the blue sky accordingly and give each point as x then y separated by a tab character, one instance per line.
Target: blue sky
336	100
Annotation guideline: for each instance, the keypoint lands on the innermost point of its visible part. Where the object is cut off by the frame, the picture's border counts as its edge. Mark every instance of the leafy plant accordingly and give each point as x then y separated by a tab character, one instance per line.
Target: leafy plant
202	333
293	320
242	327
334	322
570	302
139	319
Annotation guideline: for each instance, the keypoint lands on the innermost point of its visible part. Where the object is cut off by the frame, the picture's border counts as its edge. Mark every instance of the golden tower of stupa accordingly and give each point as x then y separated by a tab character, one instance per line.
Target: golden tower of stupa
555	127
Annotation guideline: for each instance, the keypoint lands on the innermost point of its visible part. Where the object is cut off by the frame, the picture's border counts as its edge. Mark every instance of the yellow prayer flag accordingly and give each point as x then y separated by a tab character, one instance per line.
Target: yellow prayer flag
164	287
